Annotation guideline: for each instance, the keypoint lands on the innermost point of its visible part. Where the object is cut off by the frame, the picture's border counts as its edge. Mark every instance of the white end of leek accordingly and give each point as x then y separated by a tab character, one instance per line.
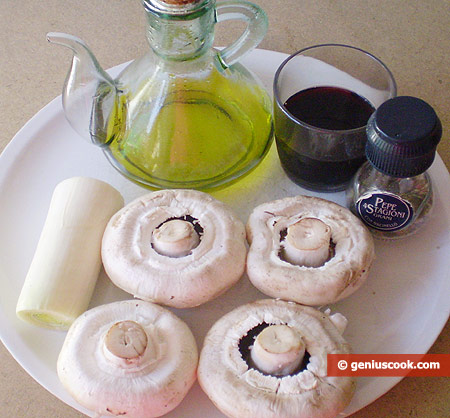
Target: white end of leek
67	261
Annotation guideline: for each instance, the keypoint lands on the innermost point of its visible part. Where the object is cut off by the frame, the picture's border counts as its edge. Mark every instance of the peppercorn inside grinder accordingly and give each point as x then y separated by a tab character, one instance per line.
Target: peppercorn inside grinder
392	192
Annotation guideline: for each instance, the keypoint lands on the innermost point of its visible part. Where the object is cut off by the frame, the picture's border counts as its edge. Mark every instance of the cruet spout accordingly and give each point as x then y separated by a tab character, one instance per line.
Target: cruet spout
89	94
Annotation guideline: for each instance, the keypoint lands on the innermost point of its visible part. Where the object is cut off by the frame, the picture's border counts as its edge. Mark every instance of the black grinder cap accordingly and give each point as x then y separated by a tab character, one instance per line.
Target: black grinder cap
402	136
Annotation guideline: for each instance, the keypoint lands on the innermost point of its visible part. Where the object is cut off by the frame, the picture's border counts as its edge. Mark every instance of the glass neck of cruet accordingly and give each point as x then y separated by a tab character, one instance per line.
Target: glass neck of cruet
180	30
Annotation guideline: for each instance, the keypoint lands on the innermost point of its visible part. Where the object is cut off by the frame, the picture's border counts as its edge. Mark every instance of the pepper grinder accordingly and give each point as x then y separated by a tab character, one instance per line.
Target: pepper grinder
392	191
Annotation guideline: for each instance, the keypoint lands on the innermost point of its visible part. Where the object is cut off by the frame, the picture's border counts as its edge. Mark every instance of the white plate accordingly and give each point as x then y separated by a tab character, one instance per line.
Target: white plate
402	307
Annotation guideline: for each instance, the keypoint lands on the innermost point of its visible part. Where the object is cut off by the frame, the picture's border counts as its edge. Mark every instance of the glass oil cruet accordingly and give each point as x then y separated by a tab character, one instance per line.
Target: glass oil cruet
185	115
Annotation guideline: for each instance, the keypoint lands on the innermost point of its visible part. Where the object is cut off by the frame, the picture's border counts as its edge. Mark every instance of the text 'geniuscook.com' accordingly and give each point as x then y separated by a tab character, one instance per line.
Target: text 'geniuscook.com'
388	365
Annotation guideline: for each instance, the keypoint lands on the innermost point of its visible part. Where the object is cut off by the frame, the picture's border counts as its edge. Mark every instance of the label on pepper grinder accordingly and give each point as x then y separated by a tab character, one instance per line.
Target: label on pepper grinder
384	211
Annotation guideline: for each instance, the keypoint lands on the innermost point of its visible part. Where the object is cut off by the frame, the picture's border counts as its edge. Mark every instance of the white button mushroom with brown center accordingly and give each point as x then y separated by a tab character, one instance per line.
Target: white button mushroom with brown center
298	336
308	250
130	358
180	248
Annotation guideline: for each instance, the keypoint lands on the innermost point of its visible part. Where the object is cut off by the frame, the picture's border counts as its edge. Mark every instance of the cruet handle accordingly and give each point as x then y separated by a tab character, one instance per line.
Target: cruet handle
255	31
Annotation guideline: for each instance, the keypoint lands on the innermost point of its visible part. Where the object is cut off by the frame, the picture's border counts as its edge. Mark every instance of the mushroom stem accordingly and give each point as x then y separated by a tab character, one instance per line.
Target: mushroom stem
175	238
125	342
278	350
307	243
339	321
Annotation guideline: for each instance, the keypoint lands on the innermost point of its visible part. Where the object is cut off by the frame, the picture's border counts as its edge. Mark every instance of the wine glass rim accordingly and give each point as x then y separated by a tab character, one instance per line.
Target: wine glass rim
332	45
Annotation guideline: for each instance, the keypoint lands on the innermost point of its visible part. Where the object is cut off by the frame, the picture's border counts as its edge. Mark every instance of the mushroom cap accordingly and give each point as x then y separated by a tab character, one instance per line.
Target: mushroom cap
239	391
149	388
336	279
208	270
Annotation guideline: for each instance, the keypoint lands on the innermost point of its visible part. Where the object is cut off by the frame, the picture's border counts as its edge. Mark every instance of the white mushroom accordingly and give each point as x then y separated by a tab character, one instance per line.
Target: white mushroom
131	358
180	248
282	235
234	384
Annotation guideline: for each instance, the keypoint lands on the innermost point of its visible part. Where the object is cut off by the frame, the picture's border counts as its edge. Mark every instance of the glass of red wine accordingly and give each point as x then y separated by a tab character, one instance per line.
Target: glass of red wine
323	98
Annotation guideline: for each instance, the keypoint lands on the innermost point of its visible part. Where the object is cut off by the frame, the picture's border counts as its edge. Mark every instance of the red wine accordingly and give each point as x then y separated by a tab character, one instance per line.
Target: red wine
323	159
330	108
319	175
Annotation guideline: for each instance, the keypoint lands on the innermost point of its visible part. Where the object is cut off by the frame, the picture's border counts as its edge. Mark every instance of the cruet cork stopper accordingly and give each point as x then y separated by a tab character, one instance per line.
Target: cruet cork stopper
179	2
